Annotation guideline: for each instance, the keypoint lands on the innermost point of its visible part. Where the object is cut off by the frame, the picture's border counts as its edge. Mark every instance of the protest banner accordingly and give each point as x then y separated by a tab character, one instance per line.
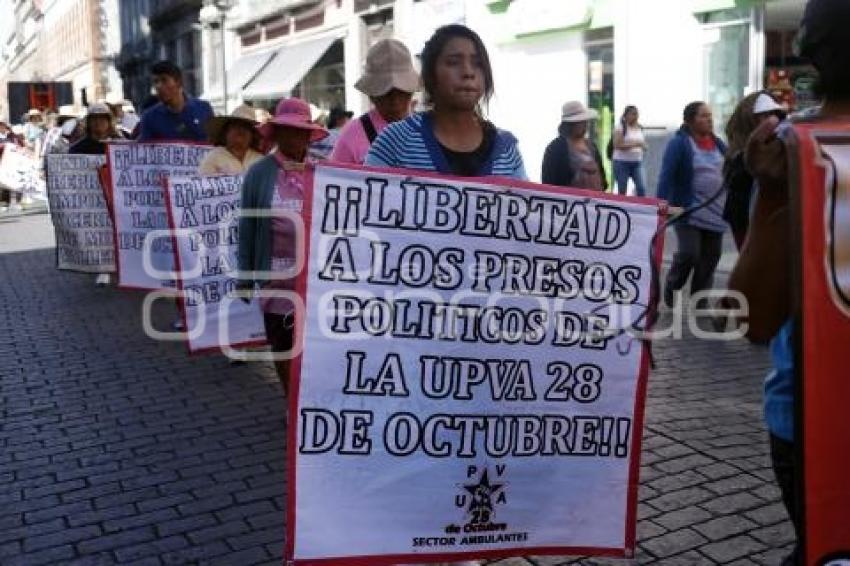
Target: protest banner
20	172
463	389
79	213
203	214
821	182
137	173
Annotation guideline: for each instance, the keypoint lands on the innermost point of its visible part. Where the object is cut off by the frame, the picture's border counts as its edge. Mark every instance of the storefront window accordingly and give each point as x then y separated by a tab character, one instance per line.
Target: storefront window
324	85
726	62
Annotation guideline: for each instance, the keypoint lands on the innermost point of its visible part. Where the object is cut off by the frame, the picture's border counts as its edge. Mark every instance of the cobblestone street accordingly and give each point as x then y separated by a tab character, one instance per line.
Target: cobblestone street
116	449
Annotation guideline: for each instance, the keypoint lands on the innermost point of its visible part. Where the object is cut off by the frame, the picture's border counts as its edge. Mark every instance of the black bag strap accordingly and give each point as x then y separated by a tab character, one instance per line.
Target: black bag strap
369	128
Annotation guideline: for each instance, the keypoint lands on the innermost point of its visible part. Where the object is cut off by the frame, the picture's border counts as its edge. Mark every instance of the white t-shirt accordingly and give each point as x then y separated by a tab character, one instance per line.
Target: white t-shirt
633	135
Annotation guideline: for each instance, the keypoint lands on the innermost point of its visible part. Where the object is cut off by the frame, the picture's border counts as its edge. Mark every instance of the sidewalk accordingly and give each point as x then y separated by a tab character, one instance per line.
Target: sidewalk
115	449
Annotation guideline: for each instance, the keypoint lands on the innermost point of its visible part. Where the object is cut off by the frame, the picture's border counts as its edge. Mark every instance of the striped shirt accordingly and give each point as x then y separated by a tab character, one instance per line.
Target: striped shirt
411	144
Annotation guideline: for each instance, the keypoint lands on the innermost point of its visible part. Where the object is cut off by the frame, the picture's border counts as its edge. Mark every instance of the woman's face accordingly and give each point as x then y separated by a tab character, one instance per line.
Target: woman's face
99	126
703	123
459	76
292	142
578	130
394	105
237	139
631	117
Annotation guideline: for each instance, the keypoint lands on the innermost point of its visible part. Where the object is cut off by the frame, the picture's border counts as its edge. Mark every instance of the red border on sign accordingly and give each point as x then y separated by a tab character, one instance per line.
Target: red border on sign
181	299
111	200
295	382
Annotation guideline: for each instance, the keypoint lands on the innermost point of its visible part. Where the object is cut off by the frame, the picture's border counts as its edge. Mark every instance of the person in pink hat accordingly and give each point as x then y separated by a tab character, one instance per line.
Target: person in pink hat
276	182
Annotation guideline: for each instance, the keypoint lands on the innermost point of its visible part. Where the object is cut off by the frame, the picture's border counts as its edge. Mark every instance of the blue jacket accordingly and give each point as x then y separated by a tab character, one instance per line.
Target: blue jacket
676	182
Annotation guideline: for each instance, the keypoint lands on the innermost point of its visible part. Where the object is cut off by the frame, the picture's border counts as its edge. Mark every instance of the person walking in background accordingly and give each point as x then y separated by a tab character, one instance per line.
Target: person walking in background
692	177
572	159
740	187
277	182
237	142
34	130
337	118
454	137
629	145
65	132
389	81
99	128
176	116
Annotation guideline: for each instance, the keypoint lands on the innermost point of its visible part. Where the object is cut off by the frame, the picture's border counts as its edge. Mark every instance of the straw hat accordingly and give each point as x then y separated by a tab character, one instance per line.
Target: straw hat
242	114
388	66
115	99
262	115
574	111
98	109
68	111
34	112
766	104
293	113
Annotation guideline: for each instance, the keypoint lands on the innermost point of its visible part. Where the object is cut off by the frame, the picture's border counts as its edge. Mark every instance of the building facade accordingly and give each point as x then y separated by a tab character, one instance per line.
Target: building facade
71	41
152	30
656	54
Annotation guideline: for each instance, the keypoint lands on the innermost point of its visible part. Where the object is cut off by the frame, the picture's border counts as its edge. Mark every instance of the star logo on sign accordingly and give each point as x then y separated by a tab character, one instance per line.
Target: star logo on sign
482	494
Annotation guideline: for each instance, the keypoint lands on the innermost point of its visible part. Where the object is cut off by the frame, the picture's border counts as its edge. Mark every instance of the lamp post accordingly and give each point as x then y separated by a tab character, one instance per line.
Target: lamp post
215	12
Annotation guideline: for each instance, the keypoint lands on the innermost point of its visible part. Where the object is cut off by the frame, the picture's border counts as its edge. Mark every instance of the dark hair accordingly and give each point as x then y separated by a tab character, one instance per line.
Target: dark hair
434	46
626	110
691	111
822	41
112	132
222	134
336	114
565	129
167	68
741	123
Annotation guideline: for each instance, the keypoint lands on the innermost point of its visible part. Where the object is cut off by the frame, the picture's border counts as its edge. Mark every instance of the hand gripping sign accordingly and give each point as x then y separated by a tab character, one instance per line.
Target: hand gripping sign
137	173
821	162
463	390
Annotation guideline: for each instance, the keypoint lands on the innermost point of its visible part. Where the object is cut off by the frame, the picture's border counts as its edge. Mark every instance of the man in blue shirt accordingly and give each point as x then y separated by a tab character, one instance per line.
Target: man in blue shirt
763	271
176	116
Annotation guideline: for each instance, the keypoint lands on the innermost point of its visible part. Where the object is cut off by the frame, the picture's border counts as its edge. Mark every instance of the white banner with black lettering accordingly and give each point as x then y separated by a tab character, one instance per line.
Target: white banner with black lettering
20	172
465	388
84	237
203	213
137	175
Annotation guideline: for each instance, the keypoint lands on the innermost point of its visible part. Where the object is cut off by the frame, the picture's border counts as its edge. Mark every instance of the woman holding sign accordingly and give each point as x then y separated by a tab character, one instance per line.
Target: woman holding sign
237	143
99	128
268	243
453	137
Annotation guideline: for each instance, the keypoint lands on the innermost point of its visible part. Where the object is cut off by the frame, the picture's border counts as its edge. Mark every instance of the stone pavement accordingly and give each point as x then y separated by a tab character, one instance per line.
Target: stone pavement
115	449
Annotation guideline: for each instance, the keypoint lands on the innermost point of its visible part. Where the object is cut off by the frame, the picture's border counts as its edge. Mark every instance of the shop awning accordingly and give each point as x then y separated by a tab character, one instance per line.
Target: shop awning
241	73
288	67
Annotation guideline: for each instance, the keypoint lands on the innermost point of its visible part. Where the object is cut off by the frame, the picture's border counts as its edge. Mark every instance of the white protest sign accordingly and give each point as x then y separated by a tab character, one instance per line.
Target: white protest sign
20	172
84	237
459	394
138	173
203	213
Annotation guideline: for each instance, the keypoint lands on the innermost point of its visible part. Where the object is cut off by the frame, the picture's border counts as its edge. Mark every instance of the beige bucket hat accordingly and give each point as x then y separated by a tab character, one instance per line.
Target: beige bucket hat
574	111
243	114
388	66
